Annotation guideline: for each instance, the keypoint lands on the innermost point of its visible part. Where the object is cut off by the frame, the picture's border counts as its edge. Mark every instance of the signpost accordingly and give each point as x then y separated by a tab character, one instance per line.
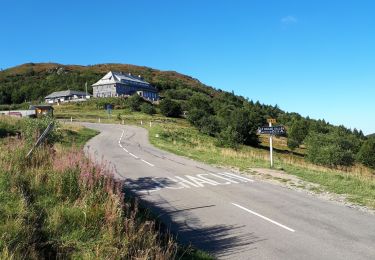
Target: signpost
271	130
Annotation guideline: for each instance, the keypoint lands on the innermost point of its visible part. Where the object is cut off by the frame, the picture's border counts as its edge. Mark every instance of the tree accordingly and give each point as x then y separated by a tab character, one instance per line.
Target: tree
206	123
297	133
135	102
229	137
366	154
170	108
331	149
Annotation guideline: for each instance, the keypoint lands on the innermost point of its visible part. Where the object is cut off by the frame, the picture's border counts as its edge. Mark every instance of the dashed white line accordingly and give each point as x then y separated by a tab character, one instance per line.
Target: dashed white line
265	218
146	162
136	157
133	155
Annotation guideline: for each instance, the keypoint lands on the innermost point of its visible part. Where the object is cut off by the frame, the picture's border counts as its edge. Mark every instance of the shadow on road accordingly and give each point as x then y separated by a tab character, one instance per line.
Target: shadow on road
219	240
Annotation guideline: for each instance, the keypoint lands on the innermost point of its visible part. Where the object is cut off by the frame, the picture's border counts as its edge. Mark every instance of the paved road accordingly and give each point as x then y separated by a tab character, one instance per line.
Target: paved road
230	215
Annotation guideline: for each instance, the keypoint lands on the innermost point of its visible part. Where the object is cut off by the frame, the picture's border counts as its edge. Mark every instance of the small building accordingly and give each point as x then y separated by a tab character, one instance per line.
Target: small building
117	84
66	96
18	113
42	110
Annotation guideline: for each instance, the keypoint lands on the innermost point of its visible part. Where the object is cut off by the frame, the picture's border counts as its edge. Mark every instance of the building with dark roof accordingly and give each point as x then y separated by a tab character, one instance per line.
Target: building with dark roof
42	110
66	96
116	84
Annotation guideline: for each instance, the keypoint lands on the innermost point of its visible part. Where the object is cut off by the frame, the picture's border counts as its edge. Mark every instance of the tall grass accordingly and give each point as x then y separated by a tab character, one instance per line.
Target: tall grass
357	182
59	204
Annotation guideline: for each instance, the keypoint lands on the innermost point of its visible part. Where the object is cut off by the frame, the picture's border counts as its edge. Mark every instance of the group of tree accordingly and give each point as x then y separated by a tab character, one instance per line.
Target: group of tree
233	119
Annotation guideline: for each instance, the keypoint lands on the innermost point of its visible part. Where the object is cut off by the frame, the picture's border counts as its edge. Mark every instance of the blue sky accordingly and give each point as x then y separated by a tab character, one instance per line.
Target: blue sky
313	57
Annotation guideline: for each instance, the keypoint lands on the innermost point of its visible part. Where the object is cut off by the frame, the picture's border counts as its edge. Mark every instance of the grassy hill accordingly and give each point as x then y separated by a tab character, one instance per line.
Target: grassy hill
33	81
232	119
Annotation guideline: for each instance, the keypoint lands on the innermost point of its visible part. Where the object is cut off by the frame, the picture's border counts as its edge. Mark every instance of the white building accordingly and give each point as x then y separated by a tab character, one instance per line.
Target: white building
66	96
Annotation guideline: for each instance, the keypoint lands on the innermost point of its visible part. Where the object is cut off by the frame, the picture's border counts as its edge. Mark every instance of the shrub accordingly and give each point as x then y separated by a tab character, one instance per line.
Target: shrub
297	133
147	108
330	149
229	137
206	123
135	102
366	154
246	125
170	108
32	128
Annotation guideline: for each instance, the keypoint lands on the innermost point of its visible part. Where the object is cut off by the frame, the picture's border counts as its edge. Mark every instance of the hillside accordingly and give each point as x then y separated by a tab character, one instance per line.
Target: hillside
33	81
232	119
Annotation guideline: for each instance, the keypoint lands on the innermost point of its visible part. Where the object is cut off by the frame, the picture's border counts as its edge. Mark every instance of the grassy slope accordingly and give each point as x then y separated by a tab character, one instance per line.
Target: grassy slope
35	81
177	136
46	210
357	182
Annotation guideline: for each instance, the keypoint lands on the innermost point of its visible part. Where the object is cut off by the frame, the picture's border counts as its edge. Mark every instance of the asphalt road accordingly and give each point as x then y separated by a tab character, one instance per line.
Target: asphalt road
230	215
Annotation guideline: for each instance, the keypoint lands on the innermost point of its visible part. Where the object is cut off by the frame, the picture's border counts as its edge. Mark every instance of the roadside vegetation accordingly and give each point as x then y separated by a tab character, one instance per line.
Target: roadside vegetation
356	180
225	122
60	204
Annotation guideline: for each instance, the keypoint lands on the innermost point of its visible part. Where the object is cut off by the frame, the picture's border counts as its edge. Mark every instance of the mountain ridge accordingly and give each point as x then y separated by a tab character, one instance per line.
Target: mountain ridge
33	81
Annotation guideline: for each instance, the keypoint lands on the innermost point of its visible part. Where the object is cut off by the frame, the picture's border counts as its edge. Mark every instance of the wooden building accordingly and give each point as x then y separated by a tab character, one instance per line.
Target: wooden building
42	110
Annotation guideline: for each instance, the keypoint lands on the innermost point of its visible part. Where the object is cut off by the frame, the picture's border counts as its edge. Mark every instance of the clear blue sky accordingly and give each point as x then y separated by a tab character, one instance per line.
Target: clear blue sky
314	57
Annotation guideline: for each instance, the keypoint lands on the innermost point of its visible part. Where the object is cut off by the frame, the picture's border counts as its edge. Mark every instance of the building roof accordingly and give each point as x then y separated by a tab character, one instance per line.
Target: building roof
66	93
113	77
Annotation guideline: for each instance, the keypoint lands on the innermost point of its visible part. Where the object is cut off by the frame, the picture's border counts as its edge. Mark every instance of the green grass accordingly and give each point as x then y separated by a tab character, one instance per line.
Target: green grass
76	136
59	203
177	136
358	189
184	140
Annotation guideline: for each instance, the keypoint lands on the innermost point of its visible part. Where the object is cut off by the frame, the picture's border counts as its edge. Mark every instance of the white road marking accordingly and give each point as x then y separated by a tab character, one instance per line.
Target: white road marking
263	217
238	177
133	155
146	162
194	181
136	157
200	181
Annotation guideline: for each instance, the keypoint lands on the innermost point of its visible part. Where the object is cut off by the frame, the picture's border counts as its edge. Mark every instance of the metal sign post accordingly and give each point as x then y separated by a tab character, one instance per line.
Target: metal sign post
272	130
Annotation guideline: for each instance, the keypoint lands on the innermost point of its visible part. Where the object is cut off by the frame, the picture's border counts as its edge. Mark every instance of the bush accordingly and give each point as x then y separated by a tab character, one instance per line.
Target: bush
170	108
366	154
246	125
330	149
229	137
297	133
8	126
135	102
147	108
33	128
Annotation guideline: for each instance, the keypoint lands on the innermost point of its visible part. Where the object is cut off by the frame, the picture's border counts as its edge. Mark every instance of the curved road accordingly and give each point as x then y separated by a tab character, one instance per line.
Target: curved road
230	215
